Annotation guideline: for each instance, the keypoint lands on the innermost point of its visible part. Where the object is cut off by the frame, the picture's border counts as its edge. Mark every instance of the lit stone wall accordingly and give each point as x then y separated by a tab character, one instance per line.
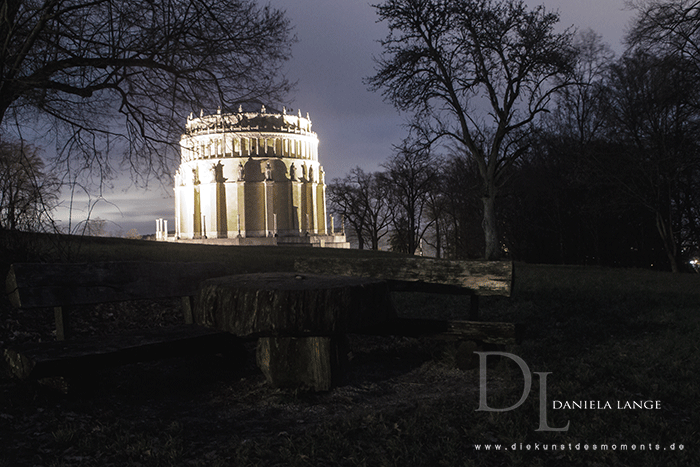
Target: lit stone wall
250	173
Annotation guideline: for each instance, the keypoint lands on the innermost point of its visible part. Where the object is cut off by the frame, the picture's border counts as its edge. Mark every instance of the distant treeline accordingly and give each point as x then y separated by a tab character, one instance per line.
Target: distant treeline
609	176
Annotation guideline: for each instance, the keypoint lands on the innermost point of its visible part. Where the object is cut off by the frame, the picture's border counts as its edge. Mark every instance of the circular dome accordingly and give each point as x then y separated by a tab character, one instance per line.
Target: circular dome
250	173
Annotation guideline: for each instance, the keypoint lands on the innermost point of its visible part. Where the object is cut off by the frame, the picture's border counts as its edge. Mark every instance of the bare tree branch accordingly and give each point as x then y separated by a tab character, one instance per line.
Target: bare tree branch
445	60
118	77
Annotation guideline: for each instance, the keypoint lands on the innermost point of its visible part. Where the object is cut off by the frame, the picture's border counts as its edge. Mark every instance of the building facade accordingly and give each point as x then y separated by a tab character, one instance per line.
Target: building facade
251	177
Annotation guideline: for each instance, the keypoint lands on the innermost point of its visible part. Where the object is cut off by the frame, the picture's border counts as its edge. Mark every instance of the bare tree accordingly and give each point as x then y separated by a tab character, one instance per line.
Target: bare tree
133	234
95	227
362	199
565	158
667	27
374	197
436	203
411	175
477	72
460	185
344	199
28	192
122	75
579	113
653	104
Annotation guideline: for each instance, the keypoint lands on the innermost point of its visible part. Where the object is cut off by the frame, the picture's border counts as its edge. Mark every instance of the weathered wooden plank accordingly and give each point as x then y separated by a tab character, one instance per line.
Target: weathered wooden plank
316	363
425	274
489	333
32	285
292	305
61	358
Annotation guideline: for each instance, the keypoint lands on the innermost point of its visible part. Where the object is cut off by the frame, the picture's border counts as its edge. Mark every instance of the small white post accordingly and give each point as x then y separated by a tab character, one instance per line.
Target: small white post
161	231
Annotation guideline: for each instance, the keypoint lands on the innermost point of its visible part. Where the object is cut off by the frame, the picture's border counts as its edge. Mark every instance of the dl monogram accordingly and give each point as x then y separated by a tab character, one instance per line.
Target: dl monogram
483	406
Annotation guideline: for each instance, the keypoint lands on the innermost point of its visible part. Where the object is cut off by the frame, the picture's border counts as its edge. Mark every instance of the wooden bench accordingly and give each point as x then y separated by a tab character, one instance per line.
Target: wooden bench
64	287
474	278
302	318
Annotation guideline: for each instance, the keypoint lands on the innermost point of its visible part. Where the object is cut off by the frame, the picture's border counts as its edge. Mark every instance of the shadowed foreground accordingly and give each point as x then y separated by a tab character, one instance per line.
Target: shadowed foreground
602	334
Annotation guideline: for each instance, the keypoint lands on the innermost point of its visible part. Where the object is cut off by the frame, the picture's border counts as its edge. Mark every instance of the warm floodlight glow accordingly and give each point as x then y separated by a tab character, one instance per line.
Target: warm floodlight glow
695	263
251	177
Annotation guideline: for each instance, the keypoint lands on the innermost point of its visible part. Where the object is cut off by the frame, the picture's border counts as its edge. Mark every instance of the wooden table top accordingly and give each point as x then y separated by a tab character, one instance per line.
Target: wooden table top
292	304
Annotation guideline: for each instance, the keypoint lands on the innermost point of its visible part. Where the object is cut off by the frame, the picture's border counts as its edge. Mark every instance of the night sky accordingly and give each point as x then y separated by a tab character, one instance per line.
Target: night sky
337	40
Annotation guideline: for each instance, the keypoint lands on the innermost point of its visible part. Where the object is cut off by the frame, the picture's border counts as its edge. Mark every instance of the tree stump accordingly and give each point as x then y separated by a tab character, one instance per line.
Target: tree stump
315	363
301	320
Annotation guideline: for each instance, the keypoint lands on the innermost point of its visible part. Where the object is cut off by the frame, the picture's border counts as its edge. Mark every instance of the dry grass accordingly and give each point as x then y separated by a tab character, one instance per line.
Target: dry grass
604	334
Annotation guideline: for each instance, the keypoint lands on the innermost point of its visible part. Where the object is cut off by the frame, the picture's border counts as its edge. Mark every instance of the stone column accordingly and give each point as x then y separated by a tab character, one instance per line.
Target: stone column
296	208
265	206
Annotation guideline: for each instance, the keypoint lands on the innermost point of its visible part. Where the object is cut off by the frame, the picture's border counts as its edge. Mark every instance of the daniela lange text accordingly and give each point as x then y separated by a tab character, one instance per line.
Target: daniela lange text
606	405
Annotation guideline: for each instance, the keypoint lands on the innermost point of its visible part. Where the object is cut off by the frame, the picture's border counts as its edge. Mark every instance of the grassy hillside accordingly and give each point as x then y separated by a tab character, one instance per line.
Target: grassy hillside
55	248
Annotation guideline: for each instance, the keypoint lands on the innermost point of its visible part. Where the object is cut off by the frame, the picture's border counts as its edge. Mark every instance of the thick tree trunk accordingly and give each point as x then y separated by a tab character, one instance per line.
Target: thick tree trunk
438	243
375	239
360	239
492	248
665	230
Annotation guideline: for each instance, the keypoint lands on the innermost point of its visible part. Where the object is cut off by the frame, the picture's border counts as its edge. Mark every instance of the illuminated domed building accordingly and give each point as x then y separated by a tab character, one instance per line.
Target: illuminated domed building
252	178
